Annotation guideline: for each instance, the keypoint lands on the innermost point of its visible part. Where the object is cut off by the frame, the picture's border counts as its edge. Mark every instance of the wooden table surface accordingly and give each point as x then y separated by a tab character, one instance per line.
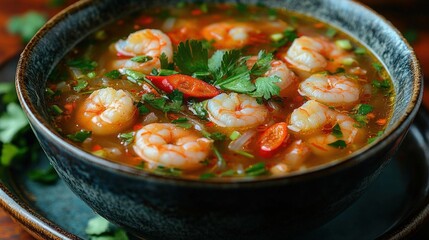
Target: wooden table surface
393	10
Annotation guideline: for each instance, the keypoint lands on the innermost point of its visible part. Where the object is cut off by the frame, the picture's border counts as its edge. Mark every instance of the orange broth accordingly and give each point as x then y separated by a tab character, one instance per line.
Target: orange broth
73	81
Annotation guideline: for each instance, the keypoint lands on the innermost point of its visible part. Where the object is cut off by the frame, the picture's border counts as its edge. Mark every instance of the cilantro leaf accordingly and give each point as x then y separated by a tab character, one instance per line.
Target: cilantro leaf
9	152
266	87
81	84
80	136
238	83
97	226
165	64
26	25
383	84
173	105
127	138
12	122
223	64
142	108
216	136
198	108
377	66
141	59
114	74
168	171
191	57
364	109
289	35
256	169
336	131
83	64
205	176
45	176
372	139
263	64
340	144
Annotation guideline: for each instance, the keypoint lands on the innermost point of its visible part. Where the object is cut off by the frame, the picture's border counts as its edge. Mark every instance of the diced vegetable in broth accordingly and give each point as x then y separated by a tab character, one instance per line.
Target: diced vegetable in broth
220	91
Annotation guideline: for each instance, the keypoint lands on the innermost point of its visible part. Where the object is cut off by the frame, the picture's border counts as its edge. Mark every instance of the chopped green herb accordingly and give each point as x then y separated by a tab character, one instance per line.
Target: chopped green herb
91	75
364	109
180	120
234	135
166	72
228	173
205	176
127	138
331	32
141	59
372	139
114	74
198	108
83	64
45	176
186	125
224	63
377	66
181	4
256	169
338	144
221	163
240	83
165	63
216	136
80	136
173	105
9	152
56	110
266	87
272	13
81	84
100	153
263	64
141	165
142	108
383	84
244	154
360	51
336	131
344	44
191	57
12	122
26	25
167	171
289	35
97	226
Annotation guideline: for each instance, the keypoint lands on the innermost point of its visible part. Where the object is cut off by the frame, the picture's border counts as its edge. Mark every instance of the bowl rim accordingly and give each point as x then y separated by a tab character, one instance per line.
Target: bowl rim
38	122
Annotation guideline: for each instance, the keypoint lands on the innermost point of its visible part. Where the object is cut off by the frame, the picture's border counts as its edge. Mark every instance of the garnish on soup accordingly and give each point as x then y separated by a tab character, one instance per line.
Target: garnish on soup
220	92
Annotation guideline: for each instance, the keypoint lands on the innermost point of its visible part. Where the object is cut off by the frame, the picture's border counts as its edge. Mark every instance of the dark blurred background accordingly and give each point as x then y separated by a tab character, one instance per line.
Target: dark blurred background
411	17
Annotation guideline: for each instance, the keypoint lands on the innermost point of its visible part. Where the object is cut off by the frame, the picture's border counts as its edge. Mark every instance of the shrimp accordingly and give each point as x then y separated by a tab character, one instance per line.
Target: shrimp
107	111
311	119
331	90
279	69
147	42
236	111
230	35
165	144
314	54
293	158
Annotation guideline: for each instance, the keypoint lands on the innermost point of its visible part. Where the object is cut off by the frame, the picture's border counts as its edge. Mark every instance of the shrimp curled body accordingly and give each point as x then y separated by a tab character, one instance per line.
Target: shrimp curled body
312	117
330	90
236	111
313	54
148	42
228	35
167	145
107	111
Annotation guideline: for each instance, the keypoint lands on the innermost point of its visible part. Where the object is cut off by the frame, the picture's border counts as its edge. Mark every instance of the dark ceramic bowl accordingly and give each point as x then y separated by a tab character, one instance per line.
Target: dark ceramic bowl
158	207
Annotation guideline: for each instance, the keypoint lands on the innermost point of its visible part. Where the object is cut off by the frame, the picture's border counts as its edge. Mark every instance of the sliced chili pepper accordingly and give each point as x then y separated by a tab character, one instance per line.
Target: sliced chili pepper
189	86
272	139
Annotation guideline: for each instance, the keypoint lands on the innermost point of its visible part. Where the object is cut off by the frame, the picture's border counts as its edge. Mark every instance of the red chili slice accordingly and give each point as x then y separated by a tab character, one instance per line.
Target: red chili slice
272	139
189	86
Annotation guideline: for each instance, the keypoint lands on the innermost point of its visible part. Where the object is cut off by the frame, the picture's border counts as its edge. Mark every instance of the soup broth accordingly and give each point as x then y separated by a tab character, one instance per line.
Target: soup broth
220	91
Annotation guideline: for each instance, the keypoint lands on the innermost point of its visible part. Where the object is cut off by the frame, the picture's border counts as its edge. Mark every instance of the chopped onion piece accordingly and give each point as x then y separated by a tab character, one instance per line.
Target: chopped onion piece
150	118
239	143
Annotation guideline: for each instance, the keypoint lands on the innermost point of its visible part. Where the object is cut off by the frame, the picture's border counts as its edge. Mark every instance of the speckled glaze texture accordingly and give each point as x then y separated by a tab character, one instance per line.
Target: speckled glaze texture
156	207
